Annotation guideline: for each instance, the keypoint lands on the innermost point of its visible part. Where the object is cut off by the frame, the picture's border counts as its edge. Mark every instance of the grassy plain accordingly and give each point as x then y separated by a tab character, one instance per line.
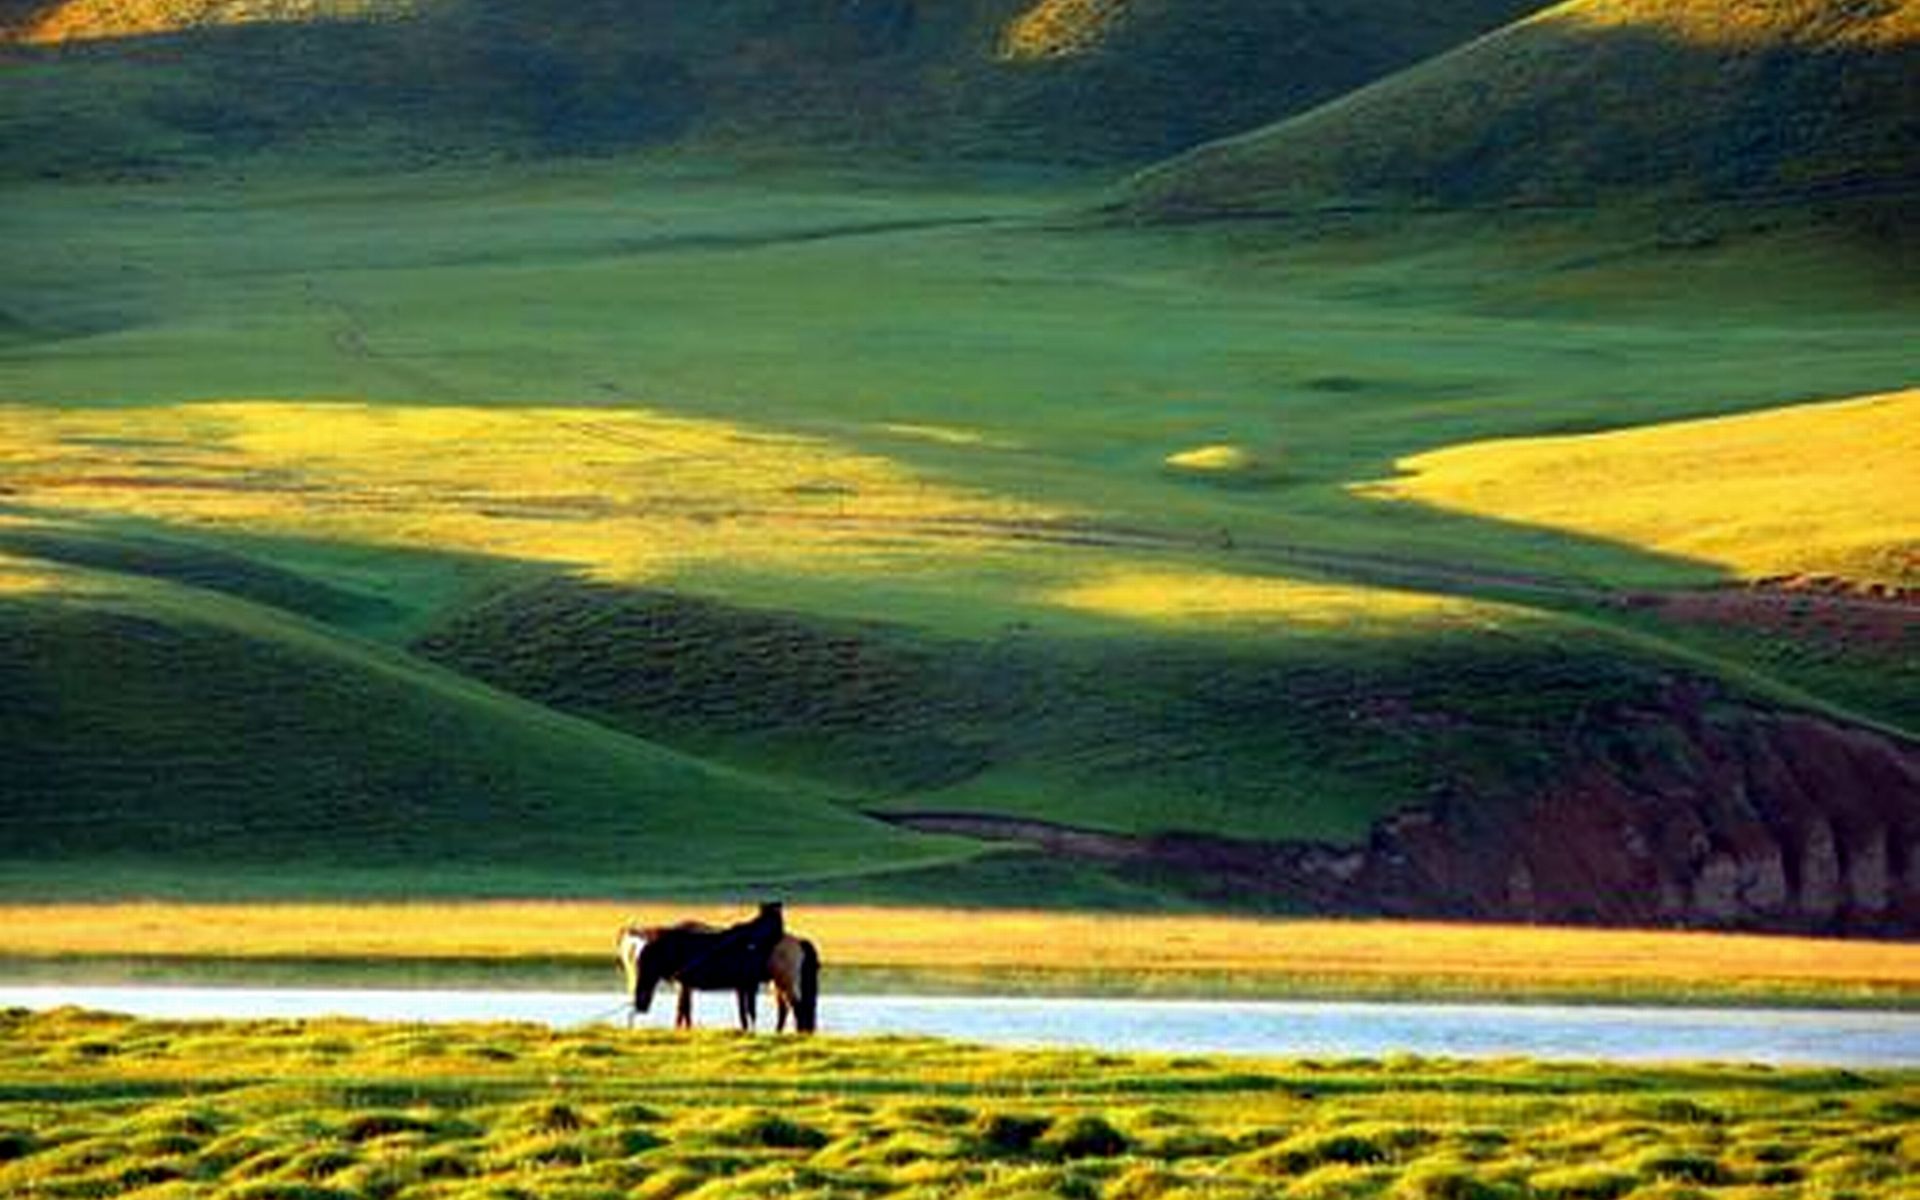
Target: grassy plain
767	496
940	330
1000	950
99	1105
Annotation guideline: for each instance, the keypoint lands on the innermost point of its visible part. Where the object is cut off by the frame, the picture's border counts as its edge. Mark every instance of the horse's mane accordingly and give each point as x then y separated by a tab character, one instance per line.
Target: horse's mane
703	955
769	918
648	933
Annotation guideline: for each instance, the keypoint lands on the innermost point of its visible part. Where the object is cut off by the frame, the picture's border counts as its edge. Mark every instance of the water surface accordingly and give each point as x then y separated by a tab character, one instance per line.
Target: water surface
1319	1029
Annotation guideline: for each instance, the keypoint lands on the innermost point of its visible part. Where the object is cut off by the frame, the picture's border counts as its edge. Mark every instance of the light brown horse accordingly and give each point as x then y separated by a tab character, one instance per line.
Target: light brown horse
792	966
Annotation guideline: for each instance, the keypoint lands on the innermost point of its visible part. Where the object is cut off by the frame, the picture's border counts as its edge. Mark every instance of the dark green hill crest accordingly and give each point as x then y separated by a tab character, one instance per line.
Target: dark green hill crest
1594	100
856	78
169	730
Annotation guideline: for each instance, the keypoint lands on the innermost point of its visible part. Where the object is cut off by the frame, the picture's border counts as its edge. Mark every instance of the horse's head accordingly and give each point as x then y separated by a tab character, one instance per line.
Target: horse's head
654	959
771	920
629	947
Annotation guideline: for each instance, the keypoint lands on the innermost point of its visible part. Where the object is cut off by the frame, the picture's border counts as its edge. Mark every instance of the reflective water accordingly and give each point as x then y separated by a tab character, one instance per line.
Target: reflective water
1306	1028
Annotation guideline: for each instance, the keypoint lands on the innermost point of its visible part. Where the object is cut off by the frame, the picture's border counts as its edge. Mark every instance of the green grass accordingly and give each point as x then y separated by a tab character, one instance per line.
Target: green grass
479	80
900	531
98	1105
277	742
1593	101
1080	362
1126	731
1823	657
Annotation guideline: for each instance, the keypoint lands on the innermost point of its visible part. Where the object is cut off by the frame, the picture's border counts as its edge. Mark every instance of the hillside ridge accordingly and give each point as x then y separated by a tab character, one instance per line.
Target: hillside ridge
156	84
1594	101
231	737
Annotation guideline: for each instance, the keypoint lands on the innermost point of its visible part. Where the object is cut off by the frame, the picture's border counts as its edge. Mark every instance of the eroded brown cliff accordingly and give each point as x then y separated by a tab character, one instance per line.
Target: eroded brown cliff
1689	811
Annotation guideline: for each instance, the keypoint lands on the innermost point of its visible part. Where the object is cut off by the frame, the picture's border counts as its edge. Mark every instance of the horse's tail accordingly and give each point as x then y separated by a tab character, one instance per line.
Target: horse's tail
806	1006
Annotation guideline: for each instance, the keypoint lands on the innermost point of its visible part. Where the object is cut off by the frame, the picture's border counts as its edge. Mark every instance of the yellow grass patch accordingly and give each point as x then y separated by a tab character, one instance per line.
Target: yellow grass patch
93	20
1213	458
1823	487
19	576
626	494
1750	23
1225	464
1149	948
1060	28
1206	596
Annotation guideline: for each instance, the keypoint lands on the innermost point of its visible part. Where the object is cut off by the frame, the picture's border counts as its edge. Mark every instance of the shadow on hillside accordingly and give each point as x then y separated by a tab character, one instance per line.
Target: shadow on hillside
210	95
17	16
1256	734
1564	113
197	564
1322	732
893	77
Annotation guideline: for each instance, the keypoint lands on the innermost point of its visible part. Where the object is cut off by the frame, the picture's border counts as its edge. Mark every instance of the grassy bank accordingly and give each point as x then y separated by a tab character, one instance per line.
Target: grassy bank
96	1105
1019	951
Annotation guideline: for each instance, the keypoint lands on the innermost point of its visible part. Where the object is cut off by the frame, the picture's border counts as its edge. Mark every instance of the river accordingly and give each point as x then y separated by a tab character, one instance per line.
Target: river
1313	1029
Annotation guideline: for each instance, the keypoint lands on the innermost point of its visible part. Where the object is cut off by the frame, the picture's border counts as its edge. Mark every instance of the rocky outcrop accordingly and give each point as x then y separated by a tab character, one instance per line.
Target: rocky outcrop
1692	812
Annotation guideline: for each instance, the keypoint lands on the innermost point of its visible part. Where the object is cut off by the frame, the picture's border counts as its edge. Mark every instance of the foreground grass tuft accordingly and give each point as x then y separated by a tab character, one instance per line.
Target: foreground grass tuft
233	1110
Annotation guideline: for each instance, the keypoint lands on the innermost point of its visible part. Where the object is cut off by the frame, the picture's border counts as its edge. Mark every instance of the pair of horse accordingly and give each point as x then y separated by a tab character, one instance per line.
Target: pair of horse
737	958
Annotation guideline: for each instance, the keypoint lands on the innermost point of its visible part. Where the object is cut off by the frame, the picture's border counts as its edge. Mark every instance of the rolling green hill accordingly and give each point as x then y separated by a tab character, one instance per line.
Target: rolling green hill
875	513
629	447
179	704
1594	101
91	86
173	738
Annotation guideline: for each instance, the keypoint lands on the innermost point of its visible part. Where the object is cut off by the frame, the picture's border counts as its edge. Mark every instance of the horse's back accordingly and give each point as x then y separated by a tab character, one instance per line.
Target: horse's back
668	950
713	959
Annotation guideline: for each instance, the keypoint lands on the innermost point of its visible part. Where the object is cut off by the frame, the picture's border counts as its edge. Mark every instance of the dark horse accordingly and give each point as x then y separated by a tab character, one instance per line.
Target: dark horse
738	958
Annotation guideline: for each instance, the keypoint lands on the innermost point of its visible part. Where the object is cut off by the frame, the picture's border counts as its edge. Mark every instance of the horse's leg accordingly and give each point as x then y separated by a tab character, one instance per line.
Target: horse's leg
748	1007
683	1017
782	1005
